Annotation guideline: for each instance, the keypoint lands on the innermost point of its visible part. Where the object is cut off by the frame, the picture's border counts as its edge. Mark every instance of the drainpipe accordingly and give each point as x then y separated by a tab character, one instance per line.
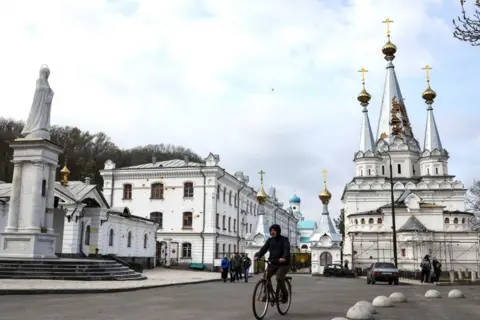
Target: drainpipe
204	213
238	216
217	234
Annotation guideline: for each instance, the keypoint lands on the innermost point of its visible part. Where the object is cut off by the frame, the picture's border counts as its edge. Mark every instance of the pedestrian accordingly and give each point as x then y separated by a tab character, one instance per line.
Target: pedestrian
237	266
225	265
232	269
426	267
246	266
437	269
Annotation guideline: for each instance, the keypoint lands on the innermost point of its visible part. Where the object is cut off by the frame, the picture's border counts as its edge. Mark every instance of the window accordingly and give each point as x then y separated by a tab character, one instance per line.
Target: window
383	170
255	209
127	192
235	201
218	192
436	170
44	188
111	235
404	252
369	172
229	223
129	239
379	221
224	223
325	258
156	191
217	249
145	241
399	168
361	172
235	225
229	249
230	197
363	221
463	220
158	218
447	220
428	171
217	223
248	203
251	207
356	221
455	220
250	228
223	249
188	190
224	194
370	221
186	250
187	219
413	169
87	235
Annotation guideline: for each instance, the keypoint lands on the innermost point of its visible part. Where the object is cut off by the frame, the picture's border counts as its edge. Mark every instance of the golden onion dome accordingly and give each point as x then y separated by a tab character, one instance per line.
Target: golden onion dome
429	95
364	97
65	170
325	196
261	195
389	49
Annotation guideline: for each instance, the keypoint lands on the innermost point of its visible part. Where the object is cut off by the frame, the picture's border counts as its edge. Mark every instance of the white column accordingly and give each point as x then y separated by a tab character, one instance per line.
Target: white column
14	209
37	215
50	199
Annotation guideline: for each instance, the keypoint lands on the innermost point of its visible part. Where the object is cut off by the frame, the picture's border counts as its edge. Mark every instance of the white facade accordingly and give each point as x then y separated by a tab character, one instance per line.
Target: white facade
429	203
204	212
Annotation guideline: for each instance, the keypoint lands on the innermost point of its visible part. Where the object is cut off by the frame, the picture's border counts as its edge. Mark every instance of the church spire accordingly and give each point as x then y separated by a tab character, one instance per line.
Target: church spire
366	136
432	137
393	121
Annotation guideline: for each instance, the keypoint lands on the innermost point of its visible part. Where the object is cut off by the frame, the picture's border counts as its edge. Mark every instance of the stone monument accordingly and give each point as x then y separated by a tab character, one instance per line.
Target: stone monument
29	231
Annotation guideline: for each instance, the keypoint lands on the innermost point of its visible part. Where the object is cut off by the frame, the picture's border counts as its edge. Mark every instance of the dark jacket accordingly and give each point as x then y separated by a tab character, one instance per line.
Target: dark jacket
279	247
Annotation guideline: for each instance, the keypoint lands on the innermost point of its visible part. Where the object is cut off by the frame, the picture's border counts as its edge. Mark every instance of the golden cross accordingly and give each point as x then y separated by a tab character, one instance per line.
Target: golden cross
261	173
388	21
324	171
363	70
427	69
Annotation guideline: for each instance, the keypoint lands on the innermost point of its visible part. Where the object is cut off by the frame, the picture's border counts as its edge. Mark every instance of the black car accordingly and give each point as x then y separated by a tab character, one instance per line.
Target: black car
336	270
382	272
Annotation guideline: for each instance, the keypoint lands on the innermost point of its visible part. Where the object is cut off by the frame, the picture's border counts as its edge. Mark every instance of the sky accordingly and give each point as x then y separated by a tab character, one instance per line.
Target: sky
266	84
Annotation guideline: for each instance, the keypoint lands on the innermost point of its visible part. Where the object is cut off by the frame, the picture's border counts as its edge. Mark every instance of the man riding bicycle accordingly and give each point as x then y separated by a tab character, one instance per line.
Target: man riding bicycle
279	258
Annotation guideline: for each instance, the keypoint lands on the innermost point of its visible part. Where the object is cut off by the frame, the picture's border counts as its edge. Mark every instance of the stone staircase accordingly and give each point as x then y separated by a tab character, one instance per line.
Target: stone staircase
67	269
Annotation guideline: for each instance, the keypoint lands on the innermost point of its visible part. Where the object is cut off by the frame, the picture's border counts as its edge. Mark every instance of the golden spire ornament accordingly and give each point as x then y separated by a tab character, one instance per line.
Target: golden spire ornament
364	97
389	49
64	173
261	194
428	95
325	195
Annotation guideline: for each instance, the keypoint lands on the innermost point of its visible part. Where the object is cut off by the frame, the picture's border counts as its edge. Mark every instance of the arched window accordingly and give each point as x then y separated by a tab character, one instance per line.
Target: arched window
363	221
145	241
370	221
111	235
325	258
158	218
399	168
455	220
186	250
356	221
304	246
463	220
230	197
436	170
129	239
187	220
383	170
447	221
379	221
188	190
127	191
156	191
87	235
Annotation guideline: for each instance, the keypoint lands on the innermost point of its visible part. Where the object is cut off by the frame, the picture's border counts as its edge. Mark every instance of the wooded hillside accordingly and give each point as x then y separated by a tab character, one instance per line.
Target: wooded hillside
86	151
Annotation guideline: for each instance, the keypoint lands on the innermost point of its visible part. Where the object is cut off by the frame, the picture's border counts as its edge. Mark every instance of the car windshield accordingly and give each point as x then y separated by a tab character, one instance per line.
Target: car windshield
385	265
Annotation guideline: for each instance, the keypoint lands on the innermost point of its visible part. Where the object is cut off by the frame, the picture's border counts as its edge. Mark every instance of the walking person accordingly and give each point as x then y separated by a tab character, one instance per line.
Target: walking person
225	265
426	267
437	269
237	266
246	266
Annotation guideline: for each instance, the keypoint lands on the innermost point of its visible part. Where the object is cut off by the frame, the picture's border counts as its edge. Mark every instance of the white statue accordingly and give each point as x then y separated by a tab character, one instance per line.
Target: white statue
38	122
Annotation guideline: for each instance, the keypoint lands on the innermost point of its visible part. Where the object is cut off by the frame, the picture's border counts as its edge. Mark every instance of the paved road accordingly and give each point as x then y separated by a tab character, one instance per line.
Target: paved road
314	298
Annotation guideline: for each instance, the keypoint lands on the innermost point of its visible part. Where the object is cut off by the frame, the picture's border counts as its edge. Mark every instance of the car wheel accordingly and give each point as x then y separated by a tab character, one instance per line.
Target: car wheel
390	283
396	282
327	274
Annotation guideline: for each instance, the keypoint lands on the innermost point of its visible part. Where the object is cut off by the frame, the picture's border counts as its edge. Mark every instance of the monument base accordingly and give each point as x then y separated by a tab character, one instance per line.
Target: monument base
27	245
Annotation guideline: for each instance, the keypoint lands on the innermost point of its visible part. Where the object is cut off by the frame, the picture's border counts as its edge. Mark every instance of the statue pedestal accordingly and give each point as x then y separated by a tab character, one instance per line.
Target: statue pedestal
33	185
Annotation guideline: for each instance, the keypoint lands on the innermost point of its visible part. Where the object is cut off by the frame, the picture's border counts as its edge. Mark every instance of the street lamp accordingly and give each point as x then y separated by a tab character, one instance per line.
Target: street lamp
394	228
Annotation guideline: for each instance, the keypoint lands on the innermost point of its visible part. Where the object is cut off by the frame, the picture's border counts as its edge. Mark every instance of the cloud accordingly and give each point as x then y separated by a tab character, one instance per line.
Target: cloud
201	74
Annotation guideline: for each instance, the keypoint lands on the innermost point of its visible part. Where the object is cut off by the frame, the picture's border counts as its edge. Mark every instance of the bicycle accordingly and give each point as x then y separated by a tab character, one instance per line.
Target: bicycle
265	292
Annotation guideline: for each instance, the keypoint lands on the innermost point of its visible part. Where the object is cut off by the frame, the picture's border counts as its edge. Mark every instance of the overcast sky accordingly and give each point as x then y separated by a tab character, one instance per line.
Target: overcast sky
201	73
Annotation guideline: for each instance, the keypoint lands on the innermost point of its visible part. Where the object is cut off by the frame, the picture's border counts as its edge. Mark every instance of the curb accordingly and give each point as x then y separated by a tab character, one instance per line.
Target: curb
4	292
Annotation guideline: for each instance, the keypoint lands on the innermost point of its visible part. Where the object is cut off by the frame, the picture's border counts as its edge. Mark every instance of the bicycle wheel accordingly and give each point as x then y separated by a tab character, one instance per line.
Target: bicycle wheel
284	307
259	293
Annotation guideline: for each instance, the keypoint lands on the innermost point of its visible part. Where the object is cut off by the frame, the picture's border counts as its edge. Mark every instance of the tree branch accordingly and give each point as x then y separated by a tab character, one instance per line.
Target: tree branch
468	29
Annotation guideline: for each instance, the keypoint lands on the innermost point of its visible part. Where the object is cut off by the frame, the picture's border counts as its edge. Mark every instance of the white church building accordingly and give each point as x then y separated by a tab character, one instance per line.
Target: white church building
203	211
429	202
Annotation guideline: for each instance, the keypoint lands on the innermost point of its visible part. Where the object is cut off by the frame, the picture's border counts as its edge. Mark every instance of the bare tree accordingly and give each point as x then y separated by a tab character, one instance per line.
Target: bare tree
468	28
473	204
